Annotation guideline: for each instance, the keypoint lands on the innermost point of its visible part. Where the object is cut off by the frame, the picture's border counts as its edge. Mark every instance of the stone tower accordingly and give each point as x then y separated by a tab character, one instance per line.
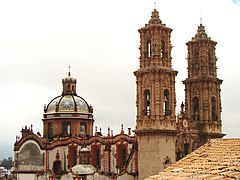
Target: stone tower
202	116
155	99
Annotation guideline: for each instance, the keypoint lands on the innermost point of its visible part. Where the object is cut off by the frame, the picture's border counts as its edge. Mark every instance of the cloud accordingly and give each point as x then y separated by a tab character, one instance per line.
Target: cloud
237	2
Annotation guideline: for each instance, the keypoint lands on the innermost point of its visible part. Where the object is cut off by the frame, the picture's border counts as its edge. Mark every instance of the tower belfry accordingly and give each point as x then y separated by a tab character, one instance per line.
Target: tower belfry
202	88
156	99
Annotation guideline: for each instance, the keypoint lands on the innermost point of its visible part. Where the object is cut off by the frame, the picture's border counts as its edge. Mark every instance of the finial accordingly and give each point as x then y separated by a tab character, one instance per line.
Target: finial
122	132
155	4
69	67
108	131
201	16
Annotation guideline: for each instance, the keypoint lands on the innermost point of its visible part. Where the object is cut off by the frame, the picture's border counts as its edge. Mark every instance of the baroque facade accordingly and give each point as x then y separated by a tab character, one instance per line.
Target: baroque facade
70	149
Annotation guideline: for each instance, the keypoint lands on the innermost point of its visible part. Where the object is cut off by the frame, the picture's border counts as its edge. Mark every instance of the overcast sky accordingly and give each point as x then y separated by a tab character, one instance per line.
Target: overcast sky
100	40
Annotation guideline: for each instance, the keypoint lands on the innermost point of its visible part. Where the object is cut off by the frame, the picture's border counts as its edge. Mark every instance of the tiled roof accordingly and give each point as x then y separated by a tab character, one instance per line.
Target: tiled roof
217	159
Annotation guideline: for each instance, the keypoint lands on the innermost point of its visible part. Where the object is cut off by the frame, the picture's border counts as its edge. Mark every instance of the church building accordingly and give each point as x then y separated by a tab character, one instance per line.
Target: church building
71	148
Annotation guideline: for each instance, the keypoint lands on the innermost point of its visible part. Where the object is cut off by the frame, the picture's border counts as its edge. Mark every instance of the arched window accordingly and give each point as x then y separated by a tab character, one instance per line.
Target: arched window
66	129
166	104
214	113
57	167
147	102
50	131
148	49
73	89
195	104
121	156
83	128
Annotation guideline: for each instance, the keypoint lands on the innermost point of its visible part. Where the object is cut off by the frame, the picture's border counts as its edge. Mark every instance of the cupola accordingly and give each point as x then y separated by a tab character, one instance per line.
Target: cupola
68	114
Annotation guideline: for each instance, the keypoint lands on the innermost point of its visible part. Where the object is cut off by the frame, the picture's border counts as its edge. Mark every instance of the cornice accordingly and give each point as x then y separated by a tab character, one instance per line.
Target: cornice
28	137
80	141
152	132
202	79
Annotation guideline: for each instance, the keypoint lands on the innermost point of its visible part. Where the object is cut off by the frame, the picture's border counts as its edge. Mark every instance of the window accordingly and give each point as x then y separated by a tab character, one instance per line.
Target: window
214	113
166	103
186	147
66	129
195	104
121	156
147	102
50	131
148	49
57	167
178	155
83	128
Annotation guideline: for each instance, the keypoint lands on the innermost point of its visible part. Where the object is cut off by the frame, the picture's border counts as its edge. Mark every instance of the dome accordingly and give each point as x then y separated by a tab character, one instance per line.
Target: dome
67	103
68	115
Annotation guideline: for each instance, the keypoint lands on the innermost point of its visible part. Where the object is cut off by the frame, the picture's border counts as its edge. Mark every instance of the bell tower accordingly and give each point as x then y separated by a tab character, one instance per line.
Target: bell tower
202	88
155	99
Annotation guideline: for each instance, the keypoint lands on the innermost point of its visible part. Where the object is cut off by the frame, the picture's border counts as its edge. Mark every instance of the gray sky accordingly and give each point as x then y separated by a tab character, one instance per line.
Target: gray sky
100	40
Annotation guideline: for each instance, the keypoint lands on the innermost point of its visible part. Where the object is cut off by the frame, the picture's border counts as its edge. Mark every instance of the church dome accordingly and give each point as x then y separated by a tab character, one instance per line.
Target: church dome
68	115
69	101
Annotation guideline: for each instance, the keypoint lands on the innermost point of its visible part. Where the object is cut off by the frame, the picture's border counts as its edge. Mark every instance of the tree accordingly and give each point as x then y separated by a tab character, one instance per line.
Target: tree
7	163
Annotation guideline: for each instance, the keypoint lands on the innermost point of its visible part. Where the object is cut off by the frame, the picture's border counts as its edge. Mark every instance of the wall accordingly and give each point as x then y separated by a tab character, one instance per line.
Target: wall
154	150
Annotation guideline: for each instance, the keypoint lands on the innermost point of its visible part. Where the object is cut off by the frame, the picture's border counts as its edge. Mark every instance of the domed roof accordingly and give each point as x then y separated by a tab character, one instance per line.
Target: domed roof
69	101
